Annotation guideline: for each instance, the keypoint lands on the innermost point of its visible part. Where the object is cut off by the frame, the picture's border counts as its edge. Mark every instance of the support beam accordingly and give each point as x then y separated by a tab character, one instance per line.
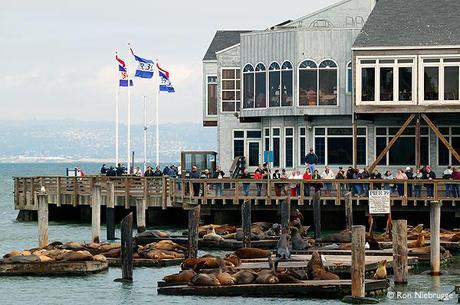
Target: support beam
348	211
435	230
96	200
127	248
441	137
355	144
317	214
110	211
246	223
193	223
285	214
140	215
391	143
400	268
42	219
417	142
358	261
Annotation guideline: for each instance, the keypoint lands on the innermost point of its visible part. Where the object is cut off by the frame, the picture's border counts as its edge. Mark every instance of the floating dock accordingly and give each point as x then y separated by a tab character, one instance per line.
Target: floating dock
321	289
145	262
53	268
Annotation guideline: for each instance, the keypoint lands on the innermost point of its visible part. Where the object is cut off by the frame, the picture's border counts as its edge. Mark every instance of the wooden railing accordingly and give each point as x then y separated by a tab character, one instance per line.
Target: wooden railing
165	192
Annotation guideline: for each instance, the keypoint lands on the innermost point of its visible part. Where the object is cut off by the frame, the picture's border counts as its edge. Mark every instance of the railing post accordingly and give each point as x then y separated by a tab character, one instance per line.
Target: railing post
400	268
435	230
358	261
96	199
140	213
127	248
58	191
246	223
110	211
42	219
348	211
317	214
127	186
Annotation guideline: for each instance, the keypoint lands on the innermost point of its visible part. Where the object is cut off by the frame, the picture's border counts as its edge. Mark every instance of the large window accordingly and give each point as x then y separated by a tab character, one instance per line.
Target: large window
238	143
385	80
286	84
280	84
318	85
302	145
334	145
248	86
249	139
211	95
452	135
403	151
288	147
261	86
349	78
276	146
231	94
441	79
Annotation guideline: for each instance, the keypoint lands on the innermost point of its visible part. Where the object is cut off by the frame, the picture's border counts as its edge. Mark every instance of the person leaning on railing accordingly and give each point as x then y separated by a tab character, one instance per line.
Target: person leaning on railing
428	174
246	186
447	175
417	186
400	175
456	178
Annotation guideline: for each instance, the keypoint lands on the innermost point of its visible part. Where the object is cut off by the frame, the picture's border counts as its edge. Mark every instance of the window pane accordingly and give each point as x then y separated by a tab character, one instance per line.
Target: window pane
339	150
267	144
286	78
320	149
228	95
276	131
267	132
443	154
238	148
237	73
238	134
248	94
431	84
274	88
289	131
403	152
320	131
340	131
228	84
302	131
307	87
361	131
349	80
381	131
289	152
424	156
212	99
361	153
380	144
253	154
228	106
386	84
405	84
456	130
451	83
368	84
302	151
328	87
276	152
261	99
455	142
228	73
253	134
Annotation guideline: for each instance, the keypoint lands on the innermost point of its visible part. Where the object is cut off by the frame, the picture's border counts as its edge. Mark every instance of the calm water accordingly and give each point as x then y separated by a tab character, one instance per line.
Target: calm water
100	288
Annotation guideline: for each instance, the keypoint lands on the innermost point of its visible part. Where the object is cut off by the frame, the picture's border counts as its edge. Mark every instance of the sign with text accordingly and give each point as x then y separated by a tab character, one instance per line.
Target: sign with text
379	202
268	156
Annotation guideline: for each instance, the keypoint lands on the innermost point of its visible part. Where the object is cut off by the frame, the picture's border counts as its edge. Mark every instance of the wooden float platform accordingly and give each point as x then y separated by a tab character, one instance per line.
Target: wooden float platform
145	262
53	268
452	246
321	289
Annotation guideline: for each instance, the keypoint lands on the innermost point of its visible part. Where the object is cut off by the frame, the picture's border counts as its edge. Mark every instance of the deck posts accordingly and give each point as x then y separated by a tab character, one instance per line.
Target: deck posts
400	268
96	199
317	214
246	223
140	214
110	211
348	211
127	248
42	219
358	257
285	215
435	228
193	223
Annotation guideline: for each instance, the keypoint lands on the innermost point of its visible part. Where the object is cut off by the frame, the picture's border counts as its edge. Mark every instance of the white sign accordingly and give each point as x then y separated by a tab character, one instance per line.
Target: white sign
379	202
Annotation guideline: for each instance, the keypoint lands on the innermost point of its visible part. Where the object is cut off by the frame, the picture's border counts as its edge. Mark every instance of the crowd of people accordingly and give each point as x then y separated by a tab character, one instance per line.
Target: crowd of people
121	170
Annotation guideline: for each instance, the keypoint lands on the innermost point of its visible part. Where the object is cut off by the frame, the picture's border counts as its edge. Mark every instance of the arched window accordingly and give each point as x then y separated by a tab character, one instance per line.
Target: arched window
286	84
274	83
248	86
349	78
260	86
308	83
328	83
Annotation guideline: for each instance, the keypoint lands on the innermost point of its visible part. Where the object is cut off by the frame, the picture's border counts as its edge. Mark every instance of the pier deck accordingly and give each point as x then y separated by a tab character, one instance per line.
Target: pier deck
53	268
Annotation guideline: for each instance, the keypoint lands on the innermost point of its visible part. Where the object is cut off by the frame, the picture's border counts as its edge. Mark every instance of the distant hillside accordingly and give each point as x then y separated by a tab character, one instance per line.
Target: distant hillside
75	140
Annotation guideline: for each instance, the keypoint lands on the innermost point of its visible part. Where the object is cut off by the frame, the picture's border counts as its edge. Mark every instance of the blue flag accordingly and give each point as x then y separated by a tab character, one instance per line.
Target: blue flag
144	68
123	77
165	83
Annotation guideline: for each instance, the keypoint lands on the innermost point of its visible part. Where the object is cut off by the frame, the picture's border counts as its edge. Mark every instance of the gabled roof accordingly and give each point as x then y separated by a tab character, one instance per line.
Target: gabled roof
222	40
411	23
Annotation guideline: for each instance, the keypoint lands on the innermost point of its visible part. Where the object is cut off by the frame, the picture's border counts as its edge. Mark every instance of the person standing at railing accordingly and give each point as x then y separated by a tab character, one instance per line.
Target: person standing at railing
456	178
246	186
328	174
316	176
388	176
349	175
277	176
375	176
195	185
340	176
293	186
111	172
357	187
428	174
311	159
447	175
306	186
258	176
298	176
400	175
138	172
103	169
417	186
149	172
219	174
157	172
284	176
365	175
410	176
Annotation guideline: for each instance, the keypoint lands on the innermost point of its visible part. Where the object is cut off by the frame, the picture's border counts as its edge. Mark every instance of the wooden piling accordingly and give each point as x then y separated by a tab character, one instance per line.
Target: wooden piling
348	211
400	267
246	223
140	213
127	248
285	214
317	214
435	230
193	224
358	261
110	211
42	219
96	200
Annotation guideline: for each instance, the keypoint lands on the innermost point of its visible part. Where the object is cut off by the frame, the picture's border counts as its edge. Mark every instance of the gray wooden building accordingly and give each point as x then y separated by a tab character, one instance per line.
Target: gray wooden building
291	87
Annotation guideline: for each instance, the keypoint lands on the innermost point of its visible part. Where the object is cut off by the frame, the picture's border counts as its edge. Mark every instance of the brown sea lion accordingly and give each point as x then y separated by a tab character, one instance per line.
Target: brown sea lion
157	254
262	225
229	236
109	247
212	235
246	276
22	259
75	256
17	253
196	264
249	253
455	238
45	259
73	245
420	242
225	229
169	245
266	277
286	277
381	272
235	260
204	280
113	253
225	279
99	258
316	269
181	277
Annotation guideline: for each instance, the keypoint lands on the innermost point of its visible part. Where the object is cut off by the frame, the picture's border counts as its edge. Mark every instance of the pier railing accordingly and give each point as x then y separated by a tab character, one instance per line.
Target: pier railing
166	192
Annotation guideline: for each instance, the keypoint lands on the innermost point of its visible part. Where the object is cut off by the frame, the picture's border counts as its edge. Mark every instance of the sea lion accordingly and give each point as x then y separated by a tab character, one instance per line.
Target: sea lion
244	277
420	242
275	230
286	277
229	236
381	272
297	241
74	256
73	245
45	259
298	274
239	235
169	245
22	259
99	258
249	253
113	253
282	248
225	229
261	225
232	258
108	247
225	279
266	277
17	253
181	277
203	279
196	264
455	238
316	269
157	254
212	235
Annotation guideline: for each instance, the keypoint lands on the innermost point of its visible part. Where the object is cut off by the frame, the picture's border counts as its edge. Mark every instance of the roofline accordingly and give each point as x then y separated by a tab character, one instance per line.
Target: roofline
228	48
318	11
405	48
209	60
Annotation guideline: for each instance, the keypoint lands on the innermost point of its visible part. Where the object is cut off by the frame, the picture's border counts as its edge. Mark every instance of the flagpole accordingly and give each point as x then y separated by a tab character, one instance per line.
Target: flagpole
129	112
117	89
157	120
145	133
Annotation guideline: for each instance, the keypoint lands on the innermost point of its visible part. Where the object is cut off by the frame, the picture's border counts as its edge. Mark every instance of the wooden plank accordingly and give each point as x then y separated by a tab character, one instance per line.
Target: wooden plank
246	223
417	143
42	219
285	215
193	224
441	137
127	248
348	211
145	262
53	268
58	191
358	261
110	211
391	143
96	199
435	230
75	192
317	214
140	213
400	265
127	186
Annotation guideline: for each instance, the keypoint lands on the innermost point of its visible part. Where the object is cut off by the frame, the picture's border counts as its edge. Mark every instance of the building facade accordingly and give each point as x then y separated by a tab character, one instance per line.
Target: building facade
291	87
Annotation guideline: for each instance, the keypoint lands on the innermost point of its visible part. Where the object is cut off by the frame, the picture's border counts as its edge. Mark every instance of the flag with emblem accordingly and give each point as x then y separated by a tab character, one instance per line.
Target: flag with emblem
144	68
123	73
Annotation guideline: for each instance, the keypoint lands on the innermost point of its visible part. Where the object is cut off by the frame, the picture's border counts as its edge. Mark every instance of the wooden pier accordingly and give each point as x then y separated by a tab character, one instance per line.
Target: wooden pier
53	268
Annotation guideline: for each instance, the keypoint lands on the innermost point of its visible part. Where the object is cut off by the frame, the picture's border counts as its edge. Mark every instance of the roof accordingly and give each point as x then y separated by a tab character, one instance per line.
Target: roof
411	23
222	40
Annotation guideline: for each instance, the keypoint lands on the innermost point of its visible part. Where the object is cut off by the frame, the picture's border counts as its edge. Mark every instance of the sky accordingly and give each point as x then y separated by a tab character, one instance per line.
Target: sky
57	57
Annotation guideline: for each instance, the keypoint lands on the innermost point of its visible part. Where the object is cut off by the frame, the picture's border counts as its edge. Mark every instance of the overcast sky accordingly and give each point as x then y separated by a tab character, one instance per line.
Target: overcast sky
57	57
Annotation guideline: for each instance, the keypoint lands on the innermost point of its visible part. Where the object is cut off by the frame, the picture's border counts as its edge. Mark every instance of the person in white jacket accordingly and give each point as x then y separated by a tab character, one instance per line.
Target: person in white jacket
328	174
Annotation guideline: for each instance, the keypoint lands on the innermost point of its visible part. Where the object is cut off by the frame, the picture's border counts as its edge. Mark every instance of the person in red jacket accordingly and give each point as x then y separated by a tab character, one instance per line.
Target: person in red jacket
258	176
306	186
